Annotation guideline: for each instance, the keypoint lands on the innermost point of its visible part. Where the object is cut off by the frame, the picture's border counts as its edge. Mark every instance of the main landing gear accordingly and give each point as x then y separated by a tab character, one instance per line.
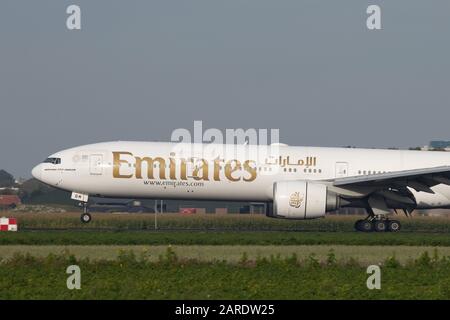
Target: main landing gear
377	224
85	216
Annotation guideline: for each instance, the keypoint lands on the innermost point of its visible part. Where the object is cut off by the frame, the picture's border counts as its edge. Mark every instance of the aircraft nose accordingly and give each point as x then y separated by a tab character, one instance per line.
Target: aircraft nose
37	172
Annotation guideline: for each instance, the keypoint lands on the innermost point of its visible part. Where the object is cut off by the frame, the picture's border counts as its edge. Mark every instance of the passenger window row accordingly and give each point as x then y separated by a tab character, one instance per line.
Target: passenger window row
365	172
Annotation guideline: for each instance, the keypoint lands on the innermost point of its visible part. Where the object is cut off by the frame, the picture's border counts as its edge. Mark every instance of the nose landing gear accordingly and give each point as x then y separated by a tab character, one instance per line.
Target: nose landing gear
83	198
85	216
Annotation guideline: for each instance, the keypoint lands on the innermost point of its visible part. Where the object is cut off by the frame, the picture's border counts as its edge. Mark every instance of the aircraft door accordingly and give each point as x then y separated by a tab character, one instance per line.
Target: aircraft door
96	164
341	169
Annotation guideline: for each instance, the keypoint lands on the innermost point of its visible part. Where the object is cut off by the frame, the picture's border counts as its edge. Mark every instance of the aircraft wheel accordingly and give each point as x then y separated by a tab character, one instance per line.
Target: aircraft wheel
357	225
394	226
86	218
380	226
365	226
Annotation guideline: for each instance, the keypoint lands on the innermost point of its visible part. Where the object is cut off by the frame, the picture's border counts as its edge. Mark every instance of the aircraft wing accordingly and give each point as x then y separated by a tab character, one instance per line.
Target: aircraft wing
418	179
392	187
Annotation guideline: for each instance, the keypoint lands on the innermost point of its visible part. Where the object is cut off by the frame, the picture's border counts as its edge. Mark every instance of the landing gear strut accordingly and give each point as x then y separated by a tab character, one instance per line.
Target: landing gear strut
85	216
377	224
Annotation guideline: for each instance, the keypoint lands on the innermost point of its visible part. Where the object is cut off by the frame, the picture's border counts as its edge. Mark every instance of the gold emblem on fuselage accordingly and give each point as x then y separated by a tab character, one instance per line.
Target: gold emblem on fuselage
295	200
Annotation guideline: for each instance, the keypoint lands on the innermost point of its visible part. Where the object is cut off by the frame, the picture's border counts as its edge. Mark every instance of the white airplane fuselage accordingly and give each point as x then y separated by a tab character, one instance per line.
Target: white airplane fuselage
160	170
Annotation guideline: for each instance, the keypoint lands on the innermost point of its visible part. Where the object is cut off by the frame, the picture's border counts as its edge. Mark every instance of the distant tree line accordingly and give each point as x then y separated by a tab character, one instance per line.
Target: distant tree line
6	179
32	190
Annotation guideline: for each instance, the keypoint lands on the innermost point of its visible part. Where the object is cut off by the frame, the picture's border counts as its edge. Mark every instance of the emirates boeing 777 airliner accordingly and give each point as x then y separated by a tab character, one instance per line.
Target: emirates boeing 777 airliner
295	182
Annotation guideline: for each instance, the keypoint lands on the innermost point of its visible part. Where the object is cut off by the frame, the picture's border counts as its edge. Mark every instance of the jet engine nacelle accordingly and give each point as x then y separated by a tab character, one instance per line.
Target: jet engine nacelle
302	200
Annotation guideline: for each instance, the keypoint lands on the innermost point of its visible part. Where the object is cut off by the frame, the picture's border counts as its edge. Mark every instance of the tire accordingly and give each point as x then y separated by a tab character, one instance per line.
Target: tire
357	225
394	226
86	218
365	226
380	226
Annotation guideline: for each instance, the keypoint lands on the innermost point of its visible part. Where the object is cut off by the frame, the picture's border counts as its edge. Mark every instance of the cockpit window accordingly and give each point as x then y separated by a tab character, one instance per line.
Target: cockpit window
53	160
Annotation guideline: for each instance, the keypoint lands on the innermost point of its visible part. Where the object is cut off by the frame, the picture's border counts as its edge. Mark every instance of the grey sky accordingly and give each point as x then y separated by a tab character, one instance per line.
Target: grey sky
139	69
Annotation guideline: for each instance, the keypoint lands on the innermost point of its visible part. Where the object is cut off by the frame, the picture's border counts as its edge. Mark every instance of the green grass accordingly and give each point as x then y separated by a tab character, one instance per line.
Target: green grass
131	277
366	255
221	238
226	257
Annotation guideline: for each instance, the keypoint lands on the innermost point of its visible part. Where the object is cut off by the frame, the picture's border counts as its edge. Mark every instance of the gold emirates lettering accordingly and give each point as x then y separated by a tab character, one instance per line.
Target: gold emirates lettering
233	169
